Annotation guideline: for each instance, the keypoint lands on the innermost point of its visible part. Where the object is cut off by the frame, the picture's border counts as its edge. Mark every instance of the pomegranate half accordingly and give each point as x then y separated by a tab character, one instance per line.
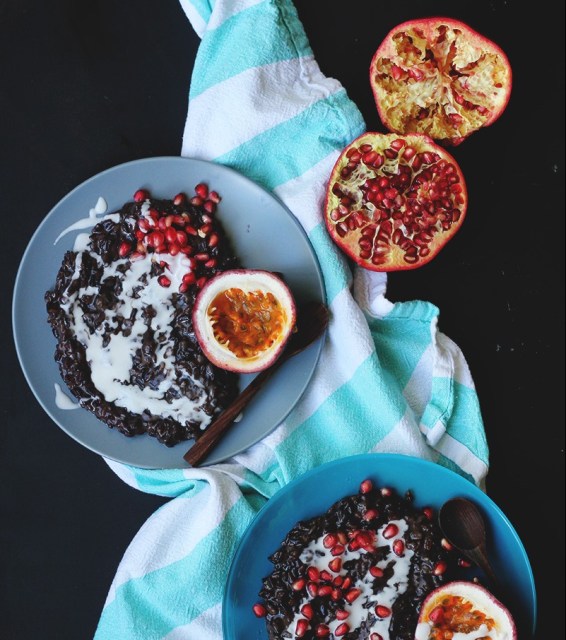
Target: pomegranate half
464	608
439	77
393	202
243	319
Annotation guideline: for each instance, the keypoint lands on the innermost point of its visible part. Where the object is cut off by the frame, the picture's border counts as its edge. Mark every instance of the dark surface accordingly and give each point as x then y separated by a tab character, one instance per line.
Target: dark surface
86	86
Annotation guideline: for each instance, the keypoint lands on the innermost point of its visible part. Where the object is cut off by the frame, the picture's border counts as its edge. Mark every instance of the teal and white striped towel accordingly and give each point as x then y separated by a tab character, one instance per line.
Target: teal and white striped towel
387	379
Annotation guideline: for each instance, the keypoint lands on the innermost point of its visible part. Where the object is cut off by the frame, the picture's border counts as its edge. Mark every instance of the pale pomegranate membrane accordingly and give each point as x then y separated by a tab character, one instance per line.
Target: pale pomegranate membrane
441	78
121	313
360	570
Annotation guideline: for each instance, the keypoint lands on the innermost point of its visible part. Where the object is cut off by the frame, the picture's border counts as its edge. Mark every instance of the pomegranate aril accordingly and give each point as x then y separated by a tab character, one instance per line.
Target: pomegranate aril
124	249
325	590
376	636
214	197
398	548
370	514
342	614
140	195
210	264
189	278
462	562
445	544
299	584
259	610
307	611
164	281
376	572
179	199
439	568
367	485
202	190
209	206
301	628
353	594
335	565
429	512
329	540
390	531
312	589
322	631
382	611
324	575
342	629
313	573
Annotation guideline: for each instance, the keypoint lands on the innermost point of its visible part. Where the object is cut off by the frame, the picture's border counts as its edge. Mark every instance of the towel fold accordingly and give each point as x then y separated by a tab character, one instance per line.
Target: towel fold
387	380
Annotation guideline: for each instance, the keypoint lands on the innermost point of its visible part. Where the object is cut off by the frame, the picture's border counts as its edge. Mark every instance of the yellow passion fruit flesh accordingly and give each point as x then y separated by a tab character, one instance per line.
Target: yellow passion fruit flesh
243	319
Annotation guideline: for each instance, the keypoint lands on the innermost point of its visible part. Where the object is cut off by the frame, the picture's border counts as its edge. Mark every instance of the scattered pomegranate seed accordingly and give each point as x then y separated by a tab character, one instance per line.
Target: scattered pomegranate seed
124	249
313	573
376	636
201	190
325	590
210	264
462	562
376	572
337	549
322	631
382	611
214	197
299	584
429	512
335	565
353	594
209	206
140	195
301	628
398	547
259	610
390	531
324	575
371	514
179	199
312	588
366	486
342	629
440	568
329	540
436	615
342	614
164	281
386	491
446	545
307	611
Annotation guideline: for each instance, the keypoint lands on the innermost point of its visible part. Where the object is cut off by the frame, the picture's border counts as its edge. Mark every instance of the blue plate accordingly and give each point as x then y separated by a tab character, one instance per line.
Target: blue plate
265	235
314	492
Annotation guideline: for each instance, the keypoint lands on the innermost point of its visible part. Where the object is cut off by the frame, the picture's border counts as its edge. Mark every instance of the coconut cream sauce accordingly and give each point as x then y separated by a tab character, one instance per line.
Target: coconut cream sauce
62	400
99	208
110	364
315	554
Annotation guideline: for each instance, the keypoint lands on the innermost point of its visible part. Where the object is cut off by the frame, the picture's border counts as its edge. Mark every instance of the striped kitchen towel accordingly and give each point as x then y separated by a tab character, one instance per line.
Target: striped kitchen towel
387	379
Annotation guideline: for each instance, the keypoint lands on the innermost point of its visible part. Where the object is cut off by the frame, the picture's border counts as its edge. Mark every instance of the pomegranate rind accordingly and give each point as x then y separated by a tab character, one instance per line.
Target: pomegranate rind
440	77
422	234
502	625
250	281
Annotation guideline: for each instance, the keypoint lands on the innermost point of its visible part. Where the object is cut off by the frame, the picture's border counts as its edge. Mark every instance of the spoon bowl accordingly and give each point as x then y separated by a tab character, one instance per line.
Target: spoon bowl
463	526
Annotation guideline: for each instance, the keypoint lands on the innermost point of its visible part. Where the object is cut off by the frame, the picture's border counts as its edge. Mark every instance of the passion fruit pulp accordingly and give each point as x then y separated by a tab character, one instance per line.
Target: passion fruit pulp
243	319
464	609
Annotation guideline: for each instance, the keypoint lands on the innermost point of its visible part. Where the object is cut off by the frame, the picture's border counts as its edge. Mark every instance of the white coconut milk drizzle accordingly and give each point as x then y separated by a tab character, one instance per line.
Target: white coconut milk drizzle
62	400
111	363
99	208
315	554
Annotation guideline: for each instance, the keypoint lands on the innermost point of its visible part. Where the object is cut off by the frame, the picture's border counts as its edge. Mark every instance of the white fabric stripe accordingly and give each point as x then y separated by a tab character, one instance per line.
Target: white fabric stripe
224	10
152	548
418	389
305	194
263	91
199	25
206	627
462	456
459	367
369	291
405	439
434	433
123	472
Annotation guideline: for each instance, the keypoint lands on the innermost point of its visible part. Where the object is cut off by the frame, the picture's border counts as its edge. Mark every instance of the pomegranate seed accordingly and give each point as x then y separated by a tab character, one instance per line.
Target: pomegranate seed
196	201
398	547
366	486
124	249
214	197
376	572
386	491
137	255
209	206
139	234
342	629
322	631
171	235
337	550
140	195
164	281
382	611
313	573
396	72
259	610
312	588
325	590
347	582
324	575
189	278
436	615
191	230
376	636
335	565
429	513
201	282
144	224
398	144
342	614
353	594
440	568
338	581
210	264
390	531
179	199
298	584
202	257
370	514
201	190
462	562
213	240
301	628
329	540
336	594
446	545
307	611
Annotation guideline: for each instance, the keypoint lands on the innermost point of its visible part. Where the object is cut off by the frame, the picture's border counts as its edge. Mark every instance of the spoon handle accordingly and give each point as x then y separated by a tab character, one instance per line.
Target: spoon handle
479	557
214	432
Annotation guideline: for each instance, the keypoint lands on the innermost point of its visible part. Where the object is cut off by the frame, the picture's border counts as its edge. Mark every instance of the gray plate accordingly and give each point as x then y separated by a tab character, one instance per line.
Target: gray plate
265	235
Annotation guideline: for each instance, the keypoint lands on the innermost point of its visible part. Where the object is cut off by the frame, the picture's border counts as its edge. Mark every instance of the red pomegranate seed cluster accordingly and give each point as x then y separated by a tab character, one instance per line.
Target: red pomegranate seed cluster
163	232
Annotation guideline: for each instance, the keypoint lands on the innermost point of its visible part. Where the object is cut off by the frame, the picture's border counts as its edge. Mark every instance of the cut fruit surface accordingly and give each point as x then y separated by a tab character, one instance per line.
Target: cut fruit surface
393	202
243	319
439	77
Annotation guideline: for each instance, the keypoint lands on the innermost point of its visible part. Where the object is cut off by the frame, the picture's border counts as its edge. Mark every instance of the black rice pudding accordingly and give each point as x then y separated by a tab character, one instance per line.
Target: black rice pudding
360	571
121	314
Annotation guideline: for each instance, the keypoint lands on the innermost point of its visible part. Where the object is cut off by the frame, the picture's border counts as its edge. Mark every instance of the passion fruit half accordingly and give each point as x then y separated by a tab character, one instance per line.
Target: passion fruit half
243	319
464	608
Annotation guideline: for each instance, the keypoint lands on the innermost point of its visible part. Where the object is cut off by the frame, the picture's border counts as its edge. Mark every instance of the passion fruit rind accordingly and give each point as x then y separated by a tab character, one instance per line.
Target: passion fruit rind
243	319
467	608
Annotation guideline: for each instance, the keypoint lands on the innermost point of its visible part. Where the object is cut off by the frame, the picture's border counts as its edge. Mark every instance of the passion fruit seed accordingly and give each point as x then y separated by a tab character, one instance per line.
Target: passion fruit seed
440	77
393	202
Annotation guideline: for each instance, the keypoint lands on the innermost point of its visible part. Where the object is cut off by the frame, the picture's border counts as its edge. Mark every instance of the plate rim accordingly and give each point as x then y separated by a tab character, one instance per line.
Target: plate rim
327	467
149	160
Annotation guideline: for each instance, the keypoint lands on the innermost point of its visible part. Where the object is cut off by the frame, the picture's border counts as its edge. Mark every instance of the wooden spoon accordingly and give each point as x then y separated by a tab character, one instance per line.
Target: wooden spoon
312	322
464	527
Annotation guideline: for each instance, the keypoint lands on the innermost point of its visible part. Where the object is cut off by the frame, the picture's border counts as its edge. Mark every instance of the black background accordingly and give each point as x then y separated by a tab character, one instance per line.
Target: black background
88	85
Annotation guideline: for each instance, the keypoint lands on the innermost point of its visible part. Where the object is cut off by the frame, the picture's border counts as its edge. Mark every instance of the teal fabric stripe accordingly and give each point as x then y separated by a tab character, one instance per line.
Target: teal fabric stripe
270	35
150	620
203	8
335	272
167	482
450	464
327	125
407	325
355	403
